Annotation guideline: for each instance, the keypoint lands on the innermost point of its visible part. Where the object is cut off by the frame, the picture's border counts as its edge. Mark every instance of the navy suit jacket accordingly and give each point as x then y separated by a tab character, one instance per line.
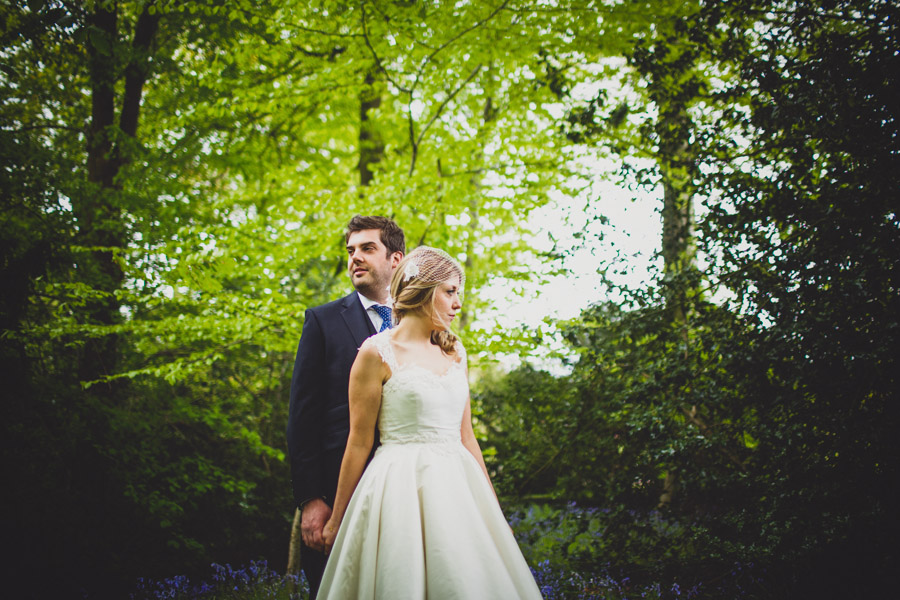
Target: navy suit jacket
319	417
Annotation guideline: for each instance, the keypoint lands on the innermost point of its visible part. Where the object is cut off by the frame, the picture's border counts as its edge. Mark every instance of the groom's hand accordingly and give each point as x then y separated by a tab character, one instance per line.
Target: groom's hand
312	522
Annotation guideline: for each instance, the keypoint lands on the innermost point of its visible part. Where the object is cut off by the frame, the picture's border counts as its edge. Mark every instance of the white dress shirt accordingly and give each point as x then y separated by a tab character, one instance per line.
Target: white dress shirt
373	316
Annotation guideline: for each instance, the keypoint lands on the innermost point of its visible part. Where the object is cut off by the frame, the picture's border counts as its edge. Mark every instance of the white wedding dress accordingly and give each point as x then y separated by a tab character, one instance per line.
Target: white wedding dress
423	522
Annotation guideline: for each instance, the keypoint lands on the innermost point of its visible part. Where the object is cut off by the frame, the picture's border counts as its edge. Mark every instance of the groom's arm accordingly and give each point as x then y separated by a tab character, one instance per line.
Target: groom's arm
305	413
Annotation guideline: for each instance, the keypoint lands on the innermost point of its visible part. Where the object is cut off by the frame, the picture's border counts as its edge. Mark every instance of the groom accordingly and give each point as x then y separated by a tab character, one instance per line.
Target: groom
319	417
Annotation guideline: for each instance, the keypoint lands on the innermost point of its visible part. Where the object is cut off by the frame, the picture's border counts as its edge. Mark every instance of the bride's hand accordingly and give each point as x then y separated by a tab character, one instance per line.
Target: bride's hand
329	533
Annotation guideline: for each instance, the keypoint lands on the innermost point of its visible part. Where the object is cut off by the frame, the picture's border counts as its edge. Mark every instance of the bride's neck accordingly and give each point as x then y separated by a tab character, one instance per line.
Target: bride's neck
413	327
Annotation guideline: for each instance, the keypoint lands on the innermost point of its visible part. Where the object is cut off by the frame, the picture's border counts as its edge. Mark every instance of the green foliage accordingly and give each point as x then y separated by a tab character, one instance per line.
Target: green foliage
568	539
174	185
819	221
644	400
760	425
176	179
527	415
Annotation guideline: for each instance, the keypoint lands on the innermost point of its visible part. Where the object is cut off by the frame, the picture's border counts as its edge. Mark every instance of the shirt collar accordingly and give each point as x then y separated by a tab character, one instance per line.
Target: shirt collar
367	303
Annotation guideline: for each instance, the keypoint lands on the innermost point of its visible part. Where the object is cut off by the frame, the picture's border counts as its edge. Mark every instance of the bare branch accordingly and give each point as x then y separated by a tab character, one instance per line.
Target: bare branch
474	26
378	61
447	100
43	126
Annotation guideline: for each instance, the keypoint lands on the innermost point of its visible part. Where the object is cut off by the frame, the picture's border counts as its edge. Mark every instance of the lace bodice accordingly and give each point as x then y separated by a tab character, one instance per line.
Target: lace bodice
418	405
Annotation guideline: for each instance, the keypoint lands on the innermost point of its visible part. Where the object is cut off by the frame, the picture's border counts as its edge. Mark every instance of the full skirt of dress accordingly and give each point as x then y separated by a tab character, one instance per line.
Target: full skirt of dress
423	523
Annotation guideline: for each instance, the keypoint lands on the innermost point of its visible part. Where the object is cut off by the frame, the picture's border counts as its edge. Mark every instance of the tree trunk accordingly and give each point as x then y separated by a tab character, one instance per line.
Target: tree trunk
101	229
678	170
371	146
489	116
294	565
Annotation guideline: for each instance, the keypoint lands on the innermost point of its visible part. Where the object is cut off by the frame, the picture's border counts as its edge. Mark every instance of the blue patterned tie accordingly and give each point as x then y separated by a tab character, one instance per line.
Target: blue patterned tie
385	313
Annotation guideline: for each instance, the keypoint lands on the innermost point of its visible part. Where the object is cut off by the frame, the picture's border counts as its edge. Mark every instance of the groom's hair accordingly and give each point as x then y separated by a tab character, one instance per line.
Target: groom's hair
391	235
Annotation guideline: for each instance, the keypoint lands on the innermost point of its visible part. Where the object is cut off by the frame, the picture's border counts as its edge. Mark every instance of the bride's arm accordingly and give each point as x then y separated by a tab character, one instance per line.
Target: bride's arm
366	378
471	443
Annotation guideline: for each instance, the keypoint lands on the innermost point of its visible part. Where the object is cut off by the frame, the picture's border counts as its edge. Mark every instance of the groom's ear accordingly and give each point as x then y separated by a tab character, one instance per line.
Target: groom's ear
396	257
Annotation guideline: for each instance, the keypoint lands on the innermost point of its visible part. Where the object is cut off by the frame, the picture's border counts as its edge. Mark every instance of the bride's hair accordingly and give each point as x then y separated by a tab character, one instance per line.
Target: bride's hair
412	287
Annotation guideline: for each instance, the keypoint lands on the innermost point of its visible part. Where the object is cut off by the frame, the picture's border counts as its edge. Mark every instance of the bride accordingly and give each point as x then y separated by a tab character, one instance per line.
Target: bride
423	520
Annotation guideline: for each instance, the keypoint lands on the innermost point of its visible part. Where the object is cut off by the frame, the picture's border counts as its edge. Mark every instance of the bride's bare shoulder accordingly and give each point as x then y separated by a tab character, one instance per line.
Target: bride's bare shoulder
376	352
369	354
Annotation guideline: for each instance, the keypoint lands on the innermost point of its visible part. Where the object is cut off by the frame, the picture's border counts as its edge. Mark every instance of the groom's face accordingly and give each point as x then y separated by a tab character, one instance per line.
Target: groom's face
369	264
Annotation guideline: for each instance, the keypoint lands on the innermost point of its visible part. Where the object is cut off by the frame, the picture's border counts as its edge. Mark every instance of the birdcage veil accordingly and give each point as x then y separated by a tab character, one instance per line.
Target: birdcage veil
431	265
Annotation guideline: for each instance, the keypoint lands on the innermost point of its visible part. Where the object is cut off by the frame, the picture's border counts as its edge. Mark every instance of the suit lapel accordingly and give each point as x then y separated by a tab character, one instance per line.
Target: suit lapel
356	319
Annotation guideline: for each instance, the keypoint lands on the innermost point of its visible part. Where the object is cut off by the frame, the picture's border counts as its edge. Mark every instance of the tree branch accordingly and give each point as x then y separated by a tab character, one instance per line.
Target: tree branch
474	26
378	61
447	100
137	69
43	126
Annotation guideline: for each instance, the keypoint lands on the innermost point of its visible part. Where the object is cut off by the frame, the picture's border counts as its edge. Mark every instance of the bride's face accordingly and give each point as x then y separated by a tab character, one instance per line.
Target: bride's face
446	303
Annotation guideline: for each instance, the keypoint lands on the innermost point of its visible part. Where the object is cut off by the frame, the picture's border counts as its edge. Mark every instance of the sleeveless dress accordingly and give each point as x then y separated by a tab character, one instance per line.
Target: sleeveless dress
423	522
